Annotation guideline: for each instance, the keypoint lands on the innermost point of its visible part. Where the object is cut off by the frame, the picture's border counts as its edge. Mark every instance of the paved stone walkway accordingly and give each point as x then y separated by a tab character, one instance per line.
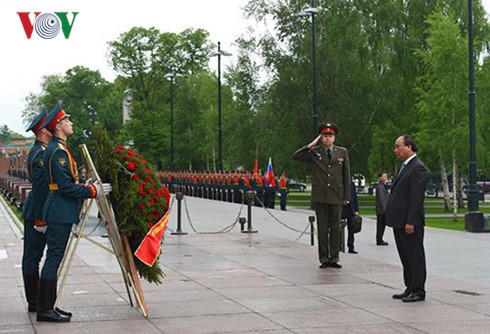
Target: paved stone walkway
266	282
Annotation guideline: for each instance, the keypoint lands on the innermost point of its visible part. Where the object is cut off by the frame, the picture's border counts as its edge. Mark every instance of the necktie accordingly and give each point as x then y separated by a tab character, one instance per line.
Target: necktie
329	153
401	168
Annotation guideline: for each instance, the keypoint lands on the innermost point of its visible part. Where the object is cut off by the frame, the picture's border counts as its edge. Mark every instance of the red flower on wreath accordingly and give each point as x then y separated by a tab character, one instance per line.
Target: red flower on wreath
130	166
150	204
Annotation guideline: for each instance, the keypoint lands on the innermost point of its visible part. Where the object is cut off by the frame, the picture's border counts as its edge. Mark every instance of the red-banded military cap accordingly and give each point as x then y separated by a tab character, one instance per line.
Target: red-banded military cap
38	121
53	118
328	128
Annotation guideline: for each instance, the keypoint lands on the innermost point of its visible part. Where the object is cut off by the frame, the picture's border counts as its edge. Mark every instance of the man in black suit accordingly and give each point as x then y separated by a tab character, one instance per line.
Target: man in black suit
349	211
382	196
405	213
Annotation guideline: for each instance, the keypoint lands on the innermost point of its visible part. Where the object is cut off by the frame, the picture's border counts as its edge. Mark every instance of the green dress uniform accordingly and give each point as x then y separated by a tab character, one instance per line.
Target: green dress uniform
62	204
60	212
330	182
34	241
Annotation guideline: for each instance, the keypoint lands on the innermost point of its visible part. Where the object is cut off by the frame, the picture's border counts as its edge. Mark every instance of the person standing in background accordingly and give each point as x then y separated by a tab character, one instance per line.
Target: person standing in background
283	190
381	200
349	211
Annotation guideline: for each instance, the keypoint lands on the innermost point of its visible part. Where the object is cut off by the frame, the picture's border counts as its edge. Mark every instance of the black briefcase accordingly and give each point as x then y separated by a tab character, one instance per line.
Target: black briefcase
355	224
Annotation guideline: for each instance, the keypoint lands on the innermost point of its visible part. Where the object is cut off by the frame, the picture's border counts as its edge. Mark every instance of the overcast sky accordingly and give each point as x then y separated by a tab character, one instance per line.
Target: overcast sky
24	61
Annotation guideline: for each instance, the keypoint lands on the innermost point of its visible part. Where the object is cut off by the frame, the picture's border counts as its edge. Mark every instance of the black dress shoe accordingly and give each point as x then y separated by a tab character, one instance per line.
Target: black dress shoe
413	297
381	243
352	251
334	265
62	312
400	295
51	316
324	265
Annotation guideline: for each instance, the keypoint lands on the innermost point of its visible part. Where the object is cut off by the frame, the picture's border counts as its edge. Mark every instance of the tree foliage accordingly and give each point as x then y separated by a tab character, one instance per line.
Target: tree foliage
384	68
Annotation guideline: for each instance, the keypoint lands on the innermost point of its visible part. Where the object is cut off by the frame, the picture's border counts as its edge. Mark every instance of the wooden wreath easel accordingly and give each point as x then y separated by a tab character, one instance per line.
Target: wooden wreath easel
120	245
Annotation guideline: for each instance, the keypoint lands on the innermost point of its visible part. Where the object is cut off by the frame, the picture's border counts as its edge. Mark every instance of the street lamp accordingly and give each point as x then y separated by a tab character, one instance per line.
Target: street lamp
474	221
170	76
311	12
220	139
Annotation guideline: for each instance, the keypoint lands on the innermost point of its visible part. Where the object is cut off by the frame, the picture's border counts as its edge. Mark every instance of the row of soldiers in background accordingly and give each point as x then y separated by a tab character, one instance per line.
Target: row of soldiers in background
228	186
18	172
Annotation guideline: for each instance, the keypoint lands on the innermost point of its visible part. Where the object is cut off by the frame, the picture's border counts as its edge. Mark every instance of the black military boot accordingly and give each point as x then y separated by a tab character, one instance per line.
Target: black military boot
46	297
31	283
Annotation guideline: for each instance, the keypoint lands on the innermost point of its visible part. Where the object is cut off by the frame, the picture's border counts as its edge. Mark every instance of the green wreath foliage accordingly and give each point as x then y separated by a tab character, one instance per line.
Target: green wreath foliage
137	197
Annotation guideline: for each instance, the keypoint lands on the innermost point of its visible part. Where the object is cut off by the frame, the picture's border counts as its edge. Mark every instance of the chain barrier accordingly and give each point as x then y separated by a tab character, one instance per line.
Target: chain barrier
226	229
230	227
284	224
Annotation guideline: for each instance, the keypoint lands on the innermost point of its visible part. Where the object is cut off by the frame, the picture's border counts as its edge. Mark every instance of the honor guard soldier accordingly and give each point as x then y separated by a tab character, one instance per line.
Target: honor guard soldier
32	212
283	190
60	209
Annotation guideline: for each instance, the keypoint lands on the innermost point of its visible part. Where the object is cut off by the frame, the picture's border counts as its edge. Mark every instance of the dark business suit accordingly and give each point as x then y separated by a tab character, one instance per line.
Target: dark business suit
382	196
348	214
406	206
330	186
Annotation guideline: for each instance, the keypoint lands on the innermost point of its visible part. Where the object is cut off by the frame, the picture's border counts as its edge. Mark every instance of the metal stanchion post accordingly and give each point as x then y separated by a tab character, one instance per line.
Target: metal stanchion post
343	224
249	197
242	221
312	230
179	196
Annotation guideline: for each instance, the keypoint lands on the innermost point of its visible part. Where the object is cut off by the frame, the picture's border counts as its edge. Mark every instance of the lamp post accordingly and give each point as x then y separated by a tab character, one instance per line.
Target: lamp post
170	76
220	138
311	12
474	221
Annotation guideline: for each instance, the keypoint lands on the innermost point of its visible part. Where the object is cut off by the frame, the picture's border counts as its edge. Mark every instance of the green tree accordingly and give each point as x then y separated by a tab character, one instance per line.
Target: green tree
142	57
446	49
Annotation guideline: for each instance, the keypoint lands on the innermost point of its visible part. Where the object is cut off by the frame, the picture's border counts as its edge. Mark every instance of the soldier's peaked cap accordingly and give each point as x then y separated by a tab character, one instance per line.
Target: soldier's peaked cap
54	117
38	121
328	128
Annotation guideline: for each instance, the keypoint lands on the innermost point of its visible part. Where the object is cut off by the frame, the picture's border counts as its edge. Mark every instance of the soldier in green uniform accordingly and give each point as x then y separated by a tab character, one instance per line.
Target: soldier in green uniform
330	182
60	210
34	226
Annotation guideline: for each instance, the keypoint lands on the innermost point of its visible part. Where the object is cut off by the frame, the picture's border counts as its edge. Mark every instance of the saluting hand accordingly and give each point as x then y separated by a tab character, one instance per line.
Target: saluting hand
314	142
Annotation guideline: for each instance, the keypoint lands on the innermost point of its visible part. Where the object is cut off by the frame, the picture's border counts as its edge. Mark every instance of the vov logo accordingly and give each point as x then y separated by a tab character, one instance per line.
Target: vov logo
47	25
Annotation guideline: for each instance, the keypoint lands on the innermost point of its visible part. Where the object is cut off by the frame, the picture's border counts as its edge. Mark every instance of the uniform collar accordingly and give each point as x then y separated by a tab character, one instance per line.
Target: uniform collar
59	140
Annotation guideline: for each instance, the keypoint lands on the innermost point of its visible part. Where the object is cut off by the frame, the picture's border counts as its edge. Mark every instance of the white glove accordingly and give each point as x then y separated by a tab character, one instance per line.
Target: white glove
89	181
41	229
105	188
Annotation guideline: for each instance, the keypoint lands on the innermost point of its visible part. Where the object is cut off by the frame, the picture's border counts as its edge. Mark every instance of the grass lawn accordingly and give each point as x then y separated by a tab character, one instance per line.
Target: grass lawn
446	223
16	211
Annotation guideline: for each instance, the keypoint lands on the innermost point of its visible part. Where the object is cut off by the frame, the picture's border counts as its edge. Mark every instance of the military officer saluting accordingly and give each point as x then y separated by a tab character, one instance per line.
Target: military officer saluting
32	211
331	187
60	209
